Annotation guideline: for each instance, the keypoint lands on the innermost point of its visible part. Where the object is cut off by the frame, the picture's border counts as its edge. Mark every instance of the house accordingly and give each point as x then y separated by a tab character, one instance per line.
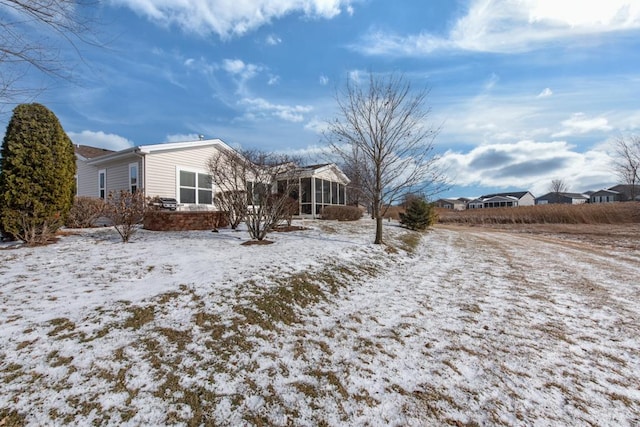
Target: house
513	199
605	196
562	198
453	204
178	170
627	192
320	185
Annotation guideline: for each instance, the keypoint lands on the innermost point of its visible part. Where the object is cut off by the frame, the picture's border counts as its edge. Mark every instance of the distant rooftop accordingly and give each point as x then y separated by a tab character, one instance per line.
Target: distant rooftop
89	152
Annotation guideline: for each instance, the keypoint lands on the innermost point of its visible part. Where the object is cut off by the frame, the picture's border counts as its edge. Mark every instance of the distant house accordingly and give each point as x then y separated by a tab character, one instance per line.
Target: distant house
178	170
562	198
499	200
605	196
627	192
454	204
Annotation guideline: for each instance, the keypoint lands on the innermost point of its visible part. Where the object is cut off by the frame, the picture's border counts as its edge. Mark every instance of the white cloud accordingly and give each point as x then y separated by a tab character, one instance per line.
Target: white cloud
273	80
355	76
273	40
324	80
241	72
579	123
530	165
512	26
545	93
491	81
316	125
261	108
238	67
180	137
230	18
100	139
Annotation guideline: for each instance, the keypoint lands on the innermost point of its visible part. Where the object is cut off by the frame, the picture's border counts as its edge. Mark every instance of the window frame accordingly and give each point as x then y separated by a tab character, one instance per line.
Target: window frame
102	184
197	188
134	187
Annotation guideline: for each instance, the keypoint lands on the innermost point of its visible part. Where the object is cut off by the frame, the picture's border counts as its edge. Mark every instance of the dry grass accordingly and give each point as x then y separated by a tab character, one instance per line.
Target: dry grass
604	213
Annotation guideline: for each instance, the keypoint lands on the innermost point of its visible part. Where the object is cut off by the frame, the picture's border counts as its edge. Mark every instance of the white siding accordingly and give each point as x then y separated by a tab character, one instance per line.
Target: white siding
527	200
87	179
329	175
161	168
117	175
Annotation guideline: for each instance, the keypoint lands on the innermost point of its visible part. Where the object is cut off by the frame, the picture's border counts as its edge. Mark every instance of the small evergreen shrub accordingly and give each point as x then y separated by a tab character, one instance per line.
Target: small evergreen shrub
341	213
85	212
419	216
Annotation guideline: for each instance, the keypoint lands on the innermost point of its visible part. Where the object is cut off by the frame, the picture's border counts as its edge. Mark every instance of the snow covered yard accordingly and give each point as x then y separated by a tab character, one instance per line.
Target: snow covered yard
464	327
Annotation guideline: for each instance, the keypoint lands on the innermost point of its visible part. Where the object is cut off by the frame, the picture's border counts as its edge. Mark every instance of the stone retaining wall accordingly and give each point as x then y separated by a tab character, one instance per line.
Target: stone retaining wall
183	221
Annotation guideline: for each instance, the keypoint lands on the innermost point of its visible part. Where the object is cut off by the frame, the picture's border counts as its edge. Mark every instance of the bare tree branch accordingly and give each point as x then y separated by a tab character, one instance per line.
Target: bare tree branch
32	34
627	163
557	187
254	187
383	135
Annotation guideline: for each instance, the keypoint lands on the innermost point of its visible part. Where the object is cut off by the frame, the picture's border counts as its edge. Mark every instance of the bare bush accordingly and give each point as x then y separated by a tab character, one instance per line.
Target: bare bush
35	231
247	181
85	212
341	213
125	210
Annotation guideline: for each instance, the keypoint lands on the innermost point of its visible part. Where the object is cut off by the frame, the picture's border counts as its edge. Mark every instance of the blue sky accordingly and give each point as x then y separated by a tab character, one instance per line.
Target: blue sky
524	91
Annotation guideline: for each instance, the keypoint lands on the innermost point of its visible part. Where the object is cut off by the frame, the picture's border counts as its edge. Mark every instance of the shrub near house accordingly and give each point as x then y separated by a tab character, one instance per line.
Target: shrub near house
37	179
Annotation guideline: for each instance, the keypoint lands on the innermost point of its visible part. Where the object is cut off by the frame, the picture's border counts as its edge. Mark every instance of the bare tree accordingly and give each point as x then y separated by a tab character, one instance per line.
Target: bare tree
230	171
32	34
627	163
255	187
557	187
382	134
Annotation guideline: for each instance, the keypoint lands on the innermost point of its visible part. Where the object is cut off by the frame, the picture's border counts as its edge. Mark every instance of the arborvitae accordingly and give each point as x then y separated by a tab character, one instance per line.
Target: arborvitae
37	170
419	216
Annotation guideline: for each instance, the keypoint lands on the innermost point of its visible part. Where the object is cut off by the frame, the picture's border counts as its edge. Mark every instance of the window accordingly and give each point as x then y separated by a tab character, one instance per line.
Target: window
257	191
194	188
133	177
102	183
326	192
318	183
305	195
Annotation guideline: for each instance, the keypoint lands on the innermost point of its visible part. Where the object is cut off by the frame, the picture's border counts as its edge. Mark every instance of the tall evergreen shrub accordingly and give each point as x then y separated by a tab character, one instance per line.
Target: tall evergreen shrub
37	171
419	216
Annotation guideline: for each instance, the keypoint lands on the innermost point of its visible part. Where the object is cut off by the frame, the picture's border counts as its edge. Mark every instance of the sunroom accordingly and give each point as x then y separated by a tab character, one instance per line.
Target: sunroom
318	186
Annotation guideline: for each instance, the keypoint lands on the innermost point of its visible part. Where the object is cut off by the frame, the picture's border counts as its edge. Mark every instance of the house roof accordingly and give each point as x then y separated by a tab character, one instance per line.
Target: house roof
452	201
148	149
89	152
517	194
310	170
568	195
500	198
604	191
629	191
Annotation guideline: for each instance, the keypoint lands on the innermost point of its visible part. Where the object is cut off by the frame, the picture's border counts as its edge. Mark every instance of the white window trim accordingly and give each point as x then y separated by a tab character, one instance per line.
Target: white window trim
102	172
137	176
196	171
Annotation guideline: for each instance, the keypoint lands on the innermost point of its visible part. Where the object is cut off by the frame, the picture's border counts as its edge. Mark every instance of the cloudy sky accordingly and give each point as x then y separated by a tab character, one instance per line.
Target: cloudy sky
525	91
